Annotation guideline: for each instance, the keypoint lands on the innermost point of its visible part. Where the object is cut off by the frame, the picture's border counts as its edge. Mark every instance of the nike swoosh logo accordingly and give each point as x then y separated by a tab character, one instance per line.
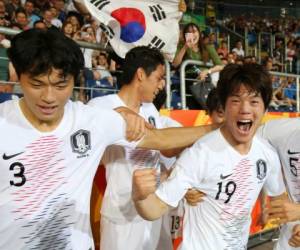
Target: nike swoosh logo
292	153
224	176
7	157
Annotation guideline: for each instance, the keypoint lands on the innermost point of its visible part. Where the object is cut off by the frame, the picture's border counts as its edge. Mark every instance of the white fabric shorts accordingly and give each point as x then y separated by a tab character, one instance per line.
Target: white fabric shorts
140	235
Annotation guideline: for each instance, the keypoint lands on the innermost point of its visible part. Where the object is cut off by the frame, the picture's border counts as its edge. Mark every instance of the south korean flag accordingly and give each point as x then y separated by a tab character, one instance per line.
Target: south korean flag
131	23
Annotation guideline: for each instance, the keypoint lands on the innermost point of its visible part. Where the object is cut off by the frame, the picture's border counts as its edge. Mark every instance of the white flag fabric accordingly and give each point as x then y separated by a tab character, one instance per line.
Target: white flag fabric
131	23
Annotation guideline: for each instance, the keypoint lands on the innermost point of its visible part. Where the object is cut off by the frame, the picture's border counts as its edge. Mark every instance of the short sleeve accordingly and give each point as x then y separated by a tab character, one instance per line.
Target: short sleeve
275	131
274	184
187	173
112	125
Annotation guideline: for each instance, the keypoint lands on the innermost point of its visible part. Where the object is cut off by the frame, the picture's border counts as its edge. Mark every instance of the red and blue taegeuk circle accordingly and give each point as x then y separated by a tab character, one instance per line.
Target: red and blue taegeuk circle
132	22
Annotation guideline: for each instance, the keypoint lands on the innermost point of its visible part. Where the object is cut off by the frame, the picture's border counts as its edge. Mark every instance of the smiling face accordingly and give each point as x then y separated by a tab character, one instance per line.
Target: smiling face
195	31
244	110
45	97
150	85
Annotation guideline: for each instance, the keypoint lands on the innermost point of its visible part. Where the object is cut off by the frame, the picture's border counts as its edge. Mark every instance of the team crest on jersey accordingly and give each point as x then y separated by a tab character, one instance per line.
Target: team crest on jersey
261	169
81	141
151	120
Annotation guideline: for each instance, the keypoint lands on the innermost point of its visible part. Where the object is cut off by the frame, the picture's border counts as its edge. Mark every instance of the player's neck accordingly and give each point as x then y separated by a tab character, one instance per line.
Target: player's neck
241	146
40	125
130	97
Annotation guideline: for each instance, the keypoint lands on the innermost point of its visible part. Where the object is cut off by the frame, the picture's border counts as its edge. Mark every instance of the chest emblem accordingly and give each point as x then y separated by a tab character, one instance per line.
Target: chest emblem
261	169
81	141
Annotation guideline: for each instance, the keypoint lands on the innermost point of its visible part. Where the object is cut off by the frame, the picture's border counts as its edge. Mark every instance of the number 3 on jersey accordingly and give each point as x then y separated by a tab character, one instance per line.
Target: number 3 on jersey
228	188
18	169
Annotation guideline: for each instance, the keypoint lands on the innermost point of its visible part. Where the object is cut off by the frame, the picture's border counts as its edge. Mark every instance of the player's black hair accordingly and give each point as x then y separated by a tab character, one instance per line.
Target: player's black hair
140	57
252	76
37	51
213	102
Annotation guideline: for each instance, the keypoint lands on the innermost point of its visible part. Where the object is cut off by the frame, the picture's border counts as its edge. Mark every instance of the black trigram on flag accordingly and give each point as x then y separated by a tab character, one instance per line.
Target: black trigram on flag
107	30
99	4
156	43
157	12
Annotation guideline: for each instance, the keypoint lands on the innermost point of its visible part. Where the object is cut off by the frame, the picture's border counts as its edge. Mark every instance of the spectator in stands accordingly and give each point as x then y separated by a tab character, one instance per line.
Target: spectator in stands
50	21
212	26
67	29
22	19
194	48
59	5
3	21
290	51
231	58
100	36
284	98
238	49
39	24
101	68
55	21
4	15
7	72
269	64
247	59
213	40
223	49
42	5
76	20
11	7
29	9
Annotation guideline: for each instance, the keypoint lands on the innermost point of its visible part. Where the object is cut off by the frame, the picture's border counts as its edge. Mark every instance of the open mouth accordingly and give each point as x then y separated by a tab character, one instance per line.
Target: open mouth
47	110
244	125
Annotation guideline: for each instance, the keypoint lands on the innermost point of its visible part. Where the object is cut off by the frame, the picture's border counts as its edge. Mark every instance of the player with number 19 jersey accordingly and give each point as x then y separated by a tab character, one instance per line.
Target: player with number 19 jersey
231	182
46	177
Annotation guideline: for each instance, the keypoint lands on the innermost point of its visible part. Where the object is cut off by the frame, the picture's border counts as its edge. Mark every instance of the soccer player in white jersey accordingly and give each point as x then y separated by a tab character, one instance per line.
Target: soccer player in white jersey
284	135
230	165
50	147
142	79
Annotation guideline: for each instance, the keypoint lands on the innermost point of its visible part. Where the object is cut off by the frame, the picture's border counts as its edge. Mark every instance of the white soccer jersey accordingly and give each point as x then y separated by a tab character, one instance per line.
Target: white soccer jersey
284	135
46	177
119	216
232	183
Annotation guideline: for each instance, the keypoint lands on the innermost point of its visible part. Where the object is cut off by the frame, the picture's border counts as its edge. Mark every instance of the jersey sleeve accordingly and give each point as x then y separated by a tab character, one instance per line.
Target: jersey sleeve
187	173
114	126
274	184
275	131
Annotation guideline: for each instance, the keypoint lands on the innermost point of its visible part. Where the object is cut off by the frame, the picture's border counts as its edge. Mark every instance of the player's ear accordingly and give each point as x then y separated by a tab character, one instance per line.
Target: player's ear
140	74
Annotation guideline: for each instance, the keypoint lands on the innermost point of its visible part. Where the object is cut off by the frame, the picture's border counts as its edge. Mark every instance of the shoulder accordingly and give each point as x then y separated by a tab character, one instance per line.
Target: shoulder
7	109
149	108
280	127
258	141
107	101
211	140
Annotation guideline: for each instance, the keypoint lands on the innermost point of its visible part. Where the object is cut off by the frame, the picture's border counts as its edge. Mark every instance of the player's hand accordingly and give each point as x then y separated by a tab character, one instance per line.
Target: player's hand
143	183
135	124
203	74
294	241
194	196
284	210
264	215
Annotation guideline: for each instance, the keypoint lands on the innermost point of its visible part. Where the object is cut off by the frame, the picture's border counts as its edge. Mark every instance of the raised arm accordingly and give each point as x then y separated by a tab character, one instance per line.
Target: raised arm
168	138
147	204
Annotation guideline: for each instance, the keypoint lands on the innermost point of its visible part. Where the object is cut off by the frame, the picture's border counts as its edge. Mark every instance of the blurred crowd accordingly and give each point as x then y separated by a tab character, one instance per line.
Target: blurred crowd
209	45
